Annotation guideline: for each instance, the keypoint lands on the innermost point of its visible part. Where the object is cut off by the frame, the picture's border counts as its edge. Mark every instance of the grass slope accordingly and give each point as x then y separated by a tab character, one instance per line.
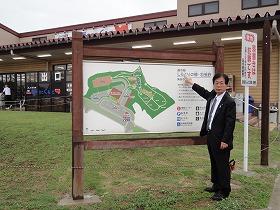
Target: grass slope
35	170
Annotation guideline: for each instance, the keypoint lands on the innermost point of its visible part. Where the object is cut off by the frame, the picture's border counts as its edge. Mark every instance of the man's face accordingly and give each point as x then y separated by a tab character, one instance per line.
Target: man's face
220	85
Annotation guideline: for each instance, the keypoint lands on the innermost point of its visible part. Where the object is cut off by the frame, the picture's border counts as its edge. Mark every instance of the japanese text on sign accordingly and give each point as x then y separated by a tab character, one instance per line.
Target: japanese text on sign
249	59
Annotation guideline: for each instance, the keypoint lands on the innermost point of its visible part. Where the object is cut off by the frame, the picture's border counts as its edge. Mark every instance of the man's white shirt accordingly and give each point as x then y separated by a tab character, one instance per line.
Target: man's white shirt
7	91
218	98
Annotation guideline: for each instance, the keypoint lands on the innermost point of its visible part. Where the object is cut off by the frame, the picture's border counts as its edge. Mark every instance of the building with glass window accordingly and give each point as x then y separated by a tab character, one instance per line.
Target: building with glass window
37	65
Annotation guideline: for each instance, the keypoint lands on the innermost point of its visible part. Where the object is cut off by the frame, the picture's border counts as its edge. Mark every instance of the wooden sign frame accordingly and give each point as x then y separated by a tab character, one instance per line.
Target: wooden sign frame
81	52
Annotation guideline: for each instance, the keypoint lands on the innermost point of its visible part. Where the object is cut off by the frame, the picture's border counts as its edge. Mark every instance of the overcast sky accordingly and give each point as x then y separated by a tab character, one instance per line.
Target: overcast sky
30	15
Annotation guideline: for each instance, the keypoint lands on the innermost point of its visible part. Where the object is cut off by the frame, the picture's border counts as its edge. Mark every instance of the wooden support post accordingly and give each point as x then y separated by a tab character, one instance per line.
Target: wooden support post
265	92
77	117
218	50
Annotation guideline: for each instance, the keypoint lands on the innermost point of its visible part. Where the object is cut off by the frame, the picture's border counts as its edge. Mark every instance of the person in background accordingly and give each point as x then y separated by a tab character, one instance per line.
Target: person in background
218	125
8	96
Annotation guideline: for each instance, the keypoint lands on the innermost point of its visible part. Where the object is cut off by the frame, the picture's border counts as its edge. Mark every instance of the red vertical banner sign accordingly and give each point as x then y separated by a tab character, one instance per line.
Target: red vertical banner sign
248	78
249	59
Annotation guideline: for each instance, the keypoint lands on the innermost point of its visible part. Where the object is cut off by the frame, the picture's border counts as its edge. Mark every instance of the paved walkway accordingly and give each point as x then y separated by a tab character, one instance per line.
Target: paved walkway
274	203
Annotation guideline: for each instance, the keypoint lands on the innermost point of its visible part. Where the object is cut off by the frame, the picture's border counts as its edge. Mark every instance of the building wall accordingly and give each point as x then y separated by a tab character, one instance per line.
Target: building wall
7	38
227	8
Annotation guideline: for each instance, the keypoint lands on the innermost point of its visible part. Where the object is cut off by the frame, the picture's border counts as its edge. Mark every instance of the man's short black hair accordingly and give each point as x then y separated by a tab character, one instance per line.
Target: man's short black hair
218	75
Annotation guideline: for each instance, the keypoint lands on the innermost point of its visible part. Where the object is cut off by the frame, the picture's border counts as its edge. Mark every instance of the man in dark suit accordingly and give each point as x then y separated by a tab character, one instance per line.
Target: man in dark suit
218	125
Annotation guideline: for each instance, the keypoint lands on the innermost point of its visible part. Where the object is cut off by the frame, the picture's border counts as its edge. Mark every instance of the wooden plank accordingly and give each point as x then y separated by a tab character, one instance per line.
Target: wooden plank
144	143
77	170
77	118
91	51
218	50
265	92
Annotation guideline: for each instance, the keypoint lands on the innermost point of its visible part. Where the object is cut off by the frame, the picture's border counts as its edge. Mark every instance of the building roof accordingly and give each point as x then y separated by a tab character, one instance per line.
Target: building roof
9	30
150	16
180	29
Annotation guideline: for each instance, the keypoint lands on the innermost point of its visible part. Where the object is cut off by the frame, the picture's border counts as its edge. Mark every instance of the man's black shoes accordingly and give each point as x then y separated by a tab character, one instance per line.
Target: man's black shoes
210	189
218	196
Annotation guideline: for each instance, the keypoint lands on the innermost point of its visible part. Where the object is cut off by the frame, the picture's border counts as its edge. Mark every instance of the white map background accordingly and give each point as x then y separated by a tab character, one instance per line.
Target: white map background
162	76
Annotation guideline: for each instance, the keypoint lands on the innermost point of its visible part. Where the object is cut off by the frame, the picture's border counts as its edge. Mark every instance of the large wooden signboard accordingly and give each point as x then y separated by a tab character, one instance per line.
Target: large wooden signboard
80	53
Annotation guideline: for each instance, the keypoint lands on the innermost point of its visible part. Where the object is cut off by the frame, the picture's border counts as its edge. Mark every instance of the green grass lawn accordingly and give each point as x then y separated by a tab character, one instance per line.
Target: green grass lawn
35	170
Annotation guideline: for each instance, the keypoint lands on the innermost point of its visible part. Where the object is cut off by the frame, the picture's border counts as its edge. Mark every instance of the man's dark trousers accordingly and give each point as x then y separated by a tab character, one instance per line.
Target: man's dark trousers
8	99
219	165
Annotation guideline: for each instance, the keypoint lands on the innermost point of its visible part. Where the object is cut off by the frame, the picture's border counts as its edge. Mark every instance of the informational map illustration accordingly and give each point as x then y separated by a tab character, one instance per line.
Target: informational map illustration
113	95
134	97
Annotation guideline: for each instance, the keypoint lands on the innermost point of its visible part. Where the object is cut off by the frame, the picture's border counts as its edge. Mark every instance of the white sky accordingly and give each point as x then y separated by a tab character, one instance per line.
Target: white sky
30	15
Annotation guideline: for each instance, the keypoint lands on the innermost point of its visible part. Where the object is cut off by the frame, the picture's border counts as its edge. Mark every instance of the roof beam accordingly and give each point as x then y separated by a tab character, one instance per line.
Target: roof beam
92	51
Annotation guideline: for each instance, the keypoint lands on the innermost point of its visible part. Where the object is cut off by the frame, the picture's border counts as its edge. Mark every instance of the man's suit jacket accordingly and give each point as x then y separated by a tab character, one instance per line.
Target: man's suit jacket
224	119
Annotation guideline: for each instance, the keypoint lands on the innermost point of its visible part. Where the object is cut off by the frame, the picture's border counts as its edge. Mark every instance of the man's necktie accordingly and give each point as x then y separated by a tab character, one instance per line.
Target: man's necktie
211	113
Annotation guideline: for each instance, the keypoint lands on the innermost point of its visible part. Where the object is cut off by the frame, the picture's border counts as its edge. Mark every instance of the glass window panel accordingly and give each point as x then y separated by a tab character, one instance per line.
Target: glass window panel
212	7
69	88
58	76
250	4
156	23
31	90
161	23
59	67
45	89
18	80
69	76
1	78
28	77
69	67
13	78
58	89
33	77
36	39
44	76
268	2
4	78
8	78
148	25
23	79
195	10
